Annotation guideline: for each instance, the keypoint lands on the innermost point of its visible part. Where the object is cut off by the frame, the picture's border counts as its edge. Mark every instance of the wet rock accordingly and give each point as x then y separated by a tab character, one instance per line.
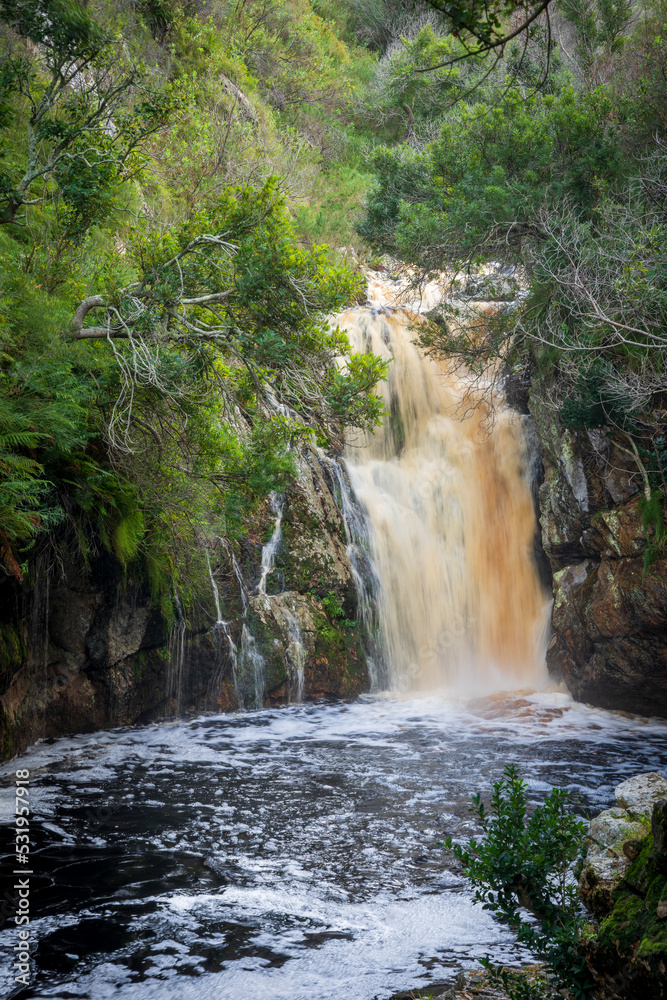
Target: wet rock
491	288
609	621
639	794
659	827
631	849
616	836
467	978
97	652
310	648
628	955
313	556
606	861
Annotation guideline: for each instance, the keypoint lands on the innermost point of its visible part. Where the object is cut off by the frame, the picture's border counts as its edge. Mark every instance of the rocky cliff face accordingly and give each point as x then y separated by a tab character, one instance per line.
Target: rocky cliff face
609	620
609	638
86	650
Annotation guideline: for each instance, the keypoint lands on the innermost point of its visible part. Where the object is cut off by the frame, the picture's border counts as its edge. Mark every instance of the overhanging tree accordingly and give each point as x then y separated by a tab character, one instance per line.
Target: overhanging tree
88	110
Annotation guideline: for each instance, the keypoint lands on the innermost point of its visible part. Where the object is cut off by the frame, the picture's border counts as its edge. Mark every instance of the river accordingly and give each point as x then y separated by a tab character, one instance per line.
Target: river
290	854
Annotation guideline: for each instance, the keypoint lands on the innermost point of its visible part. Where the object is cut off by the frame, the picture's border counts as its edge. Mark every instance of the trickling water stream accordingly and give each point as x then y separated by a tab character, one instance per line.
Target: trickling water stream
270	550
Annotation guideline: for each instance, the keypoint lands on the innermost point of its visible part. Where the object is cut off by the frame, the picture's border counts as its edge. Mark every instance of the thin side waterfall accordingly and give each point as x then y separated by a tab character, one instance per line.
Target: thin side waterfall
271	548
296	657
357	548
450	526
178	643
214	588
241	583
221	625
252	672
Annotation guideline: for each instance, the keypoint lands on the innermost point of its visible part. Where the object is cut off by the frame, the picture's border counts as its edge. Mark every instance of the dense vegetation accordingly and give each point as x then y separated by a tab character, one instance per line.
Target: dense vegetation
185	189
164	297
522	871
170	171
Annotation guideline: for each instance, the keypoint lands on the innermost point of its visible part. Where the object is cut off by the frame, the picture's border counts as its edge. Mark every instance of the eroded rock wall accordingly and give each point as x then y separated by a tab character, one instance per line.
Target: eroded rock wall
84	650
609	621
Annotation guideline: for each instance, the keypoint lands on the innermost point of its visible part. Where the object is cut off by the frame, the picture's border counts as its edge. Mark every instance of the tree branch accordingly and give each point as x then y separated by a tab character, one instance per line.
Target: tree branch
483	49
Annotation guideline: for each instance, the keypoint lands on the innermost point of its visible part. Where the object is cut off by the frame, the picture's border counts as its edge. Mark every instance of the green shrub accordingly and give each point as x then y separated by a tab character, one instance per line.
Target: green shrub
526	863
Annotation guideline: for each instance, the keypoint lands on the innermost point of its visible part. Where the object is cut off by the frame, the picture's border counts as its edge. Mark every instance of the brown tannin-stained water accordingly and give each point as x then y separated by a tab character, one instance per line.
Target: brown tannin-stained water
450	523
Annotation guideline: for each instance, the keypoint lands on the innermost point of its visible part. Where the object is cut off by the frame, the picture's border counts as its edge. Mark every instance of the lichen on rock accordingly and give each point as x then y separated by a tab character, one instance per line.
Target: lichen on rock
626	888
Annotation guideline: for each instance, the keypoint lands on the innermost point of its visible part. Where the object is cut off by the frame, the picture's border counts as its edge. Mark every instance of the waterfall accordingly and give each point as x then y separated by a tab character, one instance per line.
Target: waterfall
450	525
214	588
357	548
271	548
295	655
177	643
241	583
222	626
251	679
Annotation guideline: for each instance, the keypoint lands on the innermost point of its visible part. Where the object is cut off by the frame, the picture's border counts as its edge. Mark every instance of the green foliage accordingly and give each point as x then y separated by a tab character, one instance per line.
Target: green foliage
349	391
333	206
12	650
653	515
592	401
525	863
517	985
139	194
336	612
81	141
563	176
475	190
600	25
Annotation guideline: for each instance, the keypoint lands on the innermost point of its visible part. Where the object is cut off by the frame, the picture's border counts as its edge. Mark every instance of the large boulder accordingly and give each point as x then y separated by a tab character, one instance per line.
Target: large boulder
611	839
638	795
624	883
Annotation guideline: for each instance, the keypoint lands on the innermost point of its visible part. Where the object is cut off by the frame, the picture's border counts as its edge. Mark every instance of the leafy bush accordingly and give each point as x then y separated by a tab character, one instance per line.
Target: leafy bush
525	863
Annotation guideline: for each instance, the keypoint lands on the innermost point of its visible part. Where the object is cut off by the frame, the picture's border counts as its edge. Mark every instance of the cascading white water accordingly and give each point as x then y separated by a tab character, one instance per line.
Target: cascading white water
357	549
177	643
241	583
450	524
295	655
251	672
271	548
222	626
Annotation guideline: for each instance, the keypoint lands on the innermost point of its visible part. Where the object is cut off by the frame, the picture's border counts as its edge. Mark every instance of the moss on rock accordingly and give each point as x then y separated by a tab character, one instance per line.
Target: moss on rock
628	955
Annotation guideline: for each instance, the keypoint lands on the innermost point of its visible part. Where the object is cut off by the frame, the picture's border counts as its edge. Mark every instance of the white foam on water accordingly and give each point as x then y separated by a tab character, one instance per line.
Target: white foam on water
293	854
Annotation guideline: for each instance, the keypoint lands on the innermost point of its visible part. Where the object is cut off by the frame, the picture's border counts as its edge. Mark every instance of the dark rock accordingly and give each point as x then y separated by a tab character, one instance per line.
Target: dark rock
631	849
609	619
659	828
96	652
